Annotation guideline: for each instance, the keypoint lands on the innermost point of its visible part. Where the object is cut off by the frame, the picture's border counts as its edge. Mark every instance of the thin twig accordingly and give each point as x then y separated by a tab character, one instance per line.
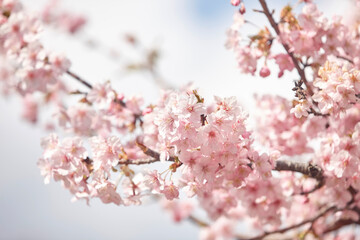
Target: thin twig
78	78
151	153
137	117
346	59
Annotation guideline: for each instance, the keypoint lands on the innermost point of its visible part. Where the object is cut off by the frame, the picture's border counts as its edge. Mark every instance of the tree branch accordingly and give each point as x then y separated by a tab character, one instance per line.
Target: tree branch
275	26
88	85
339	224
79	79
197	221
151	153
138	161
307	169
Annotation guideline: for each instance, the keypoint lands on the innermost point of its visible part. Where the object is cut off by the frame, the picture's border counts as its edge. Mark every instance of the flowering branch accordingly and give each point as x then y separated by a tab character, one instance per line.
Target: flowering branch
78	78
152	153
307	169
197	221
229	177
275	26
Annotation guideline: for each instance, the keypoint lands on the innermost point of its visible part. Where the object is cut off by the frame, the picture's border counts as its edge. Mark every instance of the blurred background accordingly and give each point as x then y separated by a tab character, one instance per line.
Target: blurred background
190	35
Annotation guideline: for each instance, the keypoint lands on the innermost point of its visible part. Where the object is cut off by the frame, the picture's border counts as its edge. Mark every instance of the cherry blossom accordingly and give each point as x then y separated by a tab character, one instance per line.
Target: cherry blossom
295	171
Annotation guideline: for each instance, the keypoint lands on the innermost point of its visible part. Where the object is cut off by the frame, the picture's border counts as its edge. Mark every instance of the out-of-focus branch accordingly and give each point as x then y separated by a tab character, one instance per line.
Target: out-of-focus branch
339	224
202	223
343	222
159	80
283	230
79	79
150	64
346	59
197	221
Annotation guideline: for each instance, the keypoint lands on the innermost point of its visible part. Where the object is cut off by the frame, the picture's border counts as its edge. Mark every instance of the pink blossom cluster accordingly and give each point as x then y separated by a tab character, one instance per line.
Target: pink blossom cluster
100	112
208	147
219	164
282	131
339	154
67	161
98	175
309	36
337	90
338	86
65	20
27	68
205	150
247	56
35	69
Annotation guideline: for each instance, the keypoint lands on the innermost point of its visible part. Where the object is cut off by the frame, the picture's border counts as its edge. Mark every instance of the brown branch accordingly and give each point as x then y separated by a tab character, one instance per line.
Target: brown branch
307	169
275	26
137	117
138	161
346	59
197	221
151	153
79	79
312	111
344	222
339	224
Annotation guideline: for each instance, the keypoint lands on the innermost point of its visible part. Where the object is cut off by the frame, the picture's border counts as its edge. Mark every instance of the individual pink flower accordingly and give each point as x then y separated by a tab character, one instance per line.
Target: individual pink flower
152	180
170	191
101	93
74	148
106	191
302	108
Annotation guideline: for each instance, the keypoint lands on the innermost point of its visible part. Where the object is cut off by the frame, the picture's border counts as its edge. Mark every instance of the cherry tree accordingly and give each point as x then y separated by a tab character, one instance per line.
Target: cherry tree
295	176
